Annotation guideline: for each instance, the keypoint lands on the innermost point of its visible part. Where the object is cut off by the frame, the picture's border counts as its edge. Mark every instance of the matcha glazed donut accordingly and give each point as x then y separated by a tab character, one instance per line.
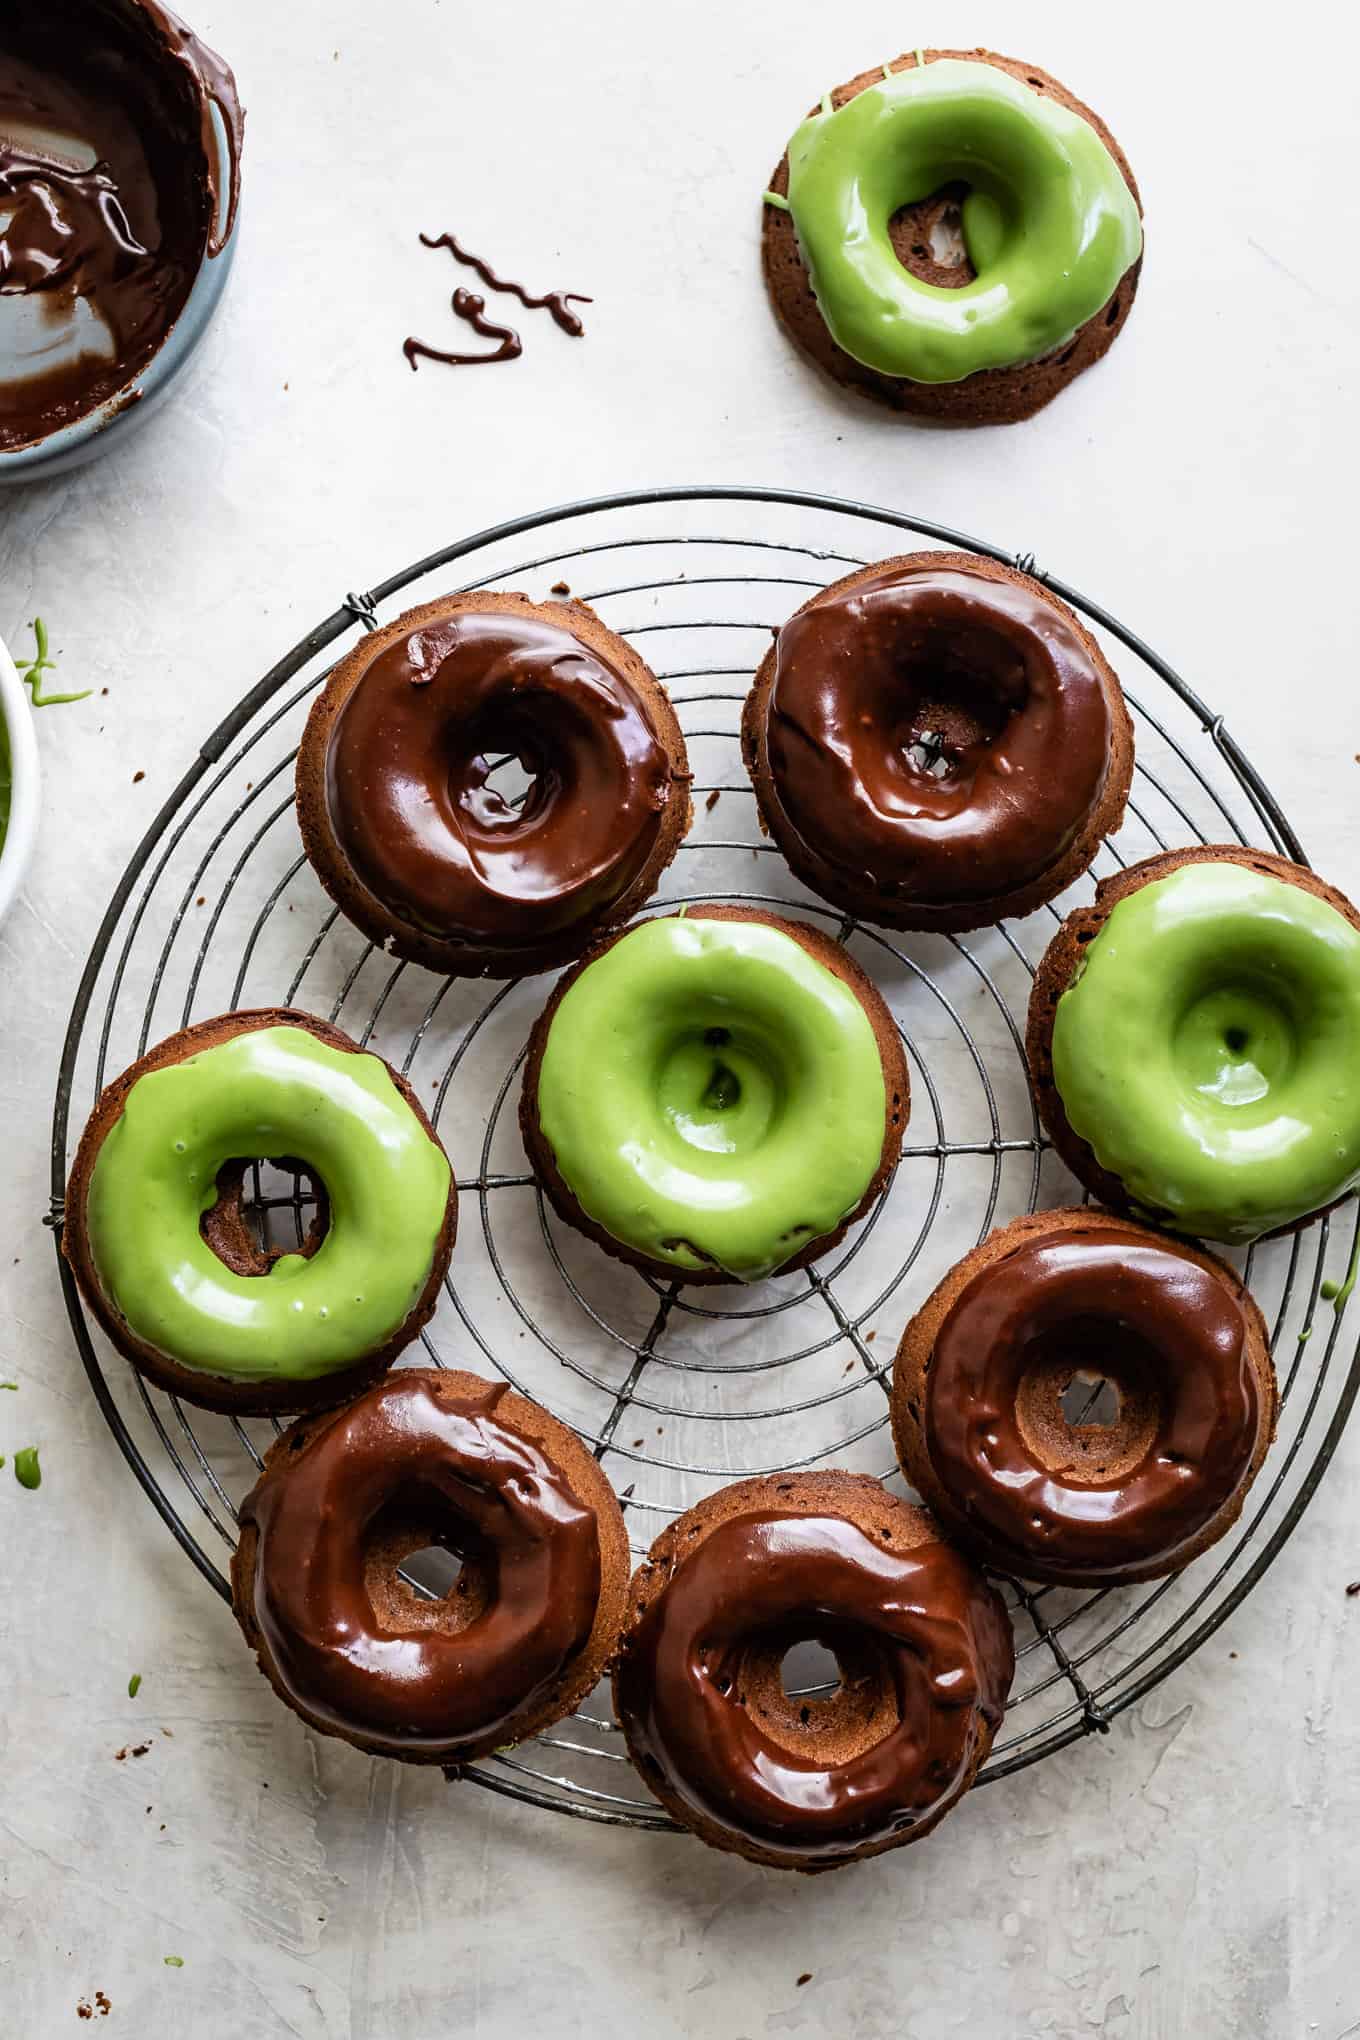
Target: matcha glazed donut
714	1095
157	1239
1050	227
1193	1039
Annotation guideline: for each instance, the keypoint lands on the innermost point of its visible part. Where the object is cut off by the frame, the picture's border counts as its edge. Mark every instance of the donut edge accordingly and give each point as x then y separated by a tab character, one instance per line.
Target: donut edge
896	1084
916	1351
344	886
857	1498
590	1484
1054	974
217	1392
829	884
990	396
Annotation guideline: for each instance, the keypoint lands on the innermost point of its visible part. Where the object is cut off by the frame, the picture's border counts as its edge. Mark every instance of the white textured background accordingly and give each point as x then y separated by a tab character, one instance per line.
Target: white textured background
1195	1874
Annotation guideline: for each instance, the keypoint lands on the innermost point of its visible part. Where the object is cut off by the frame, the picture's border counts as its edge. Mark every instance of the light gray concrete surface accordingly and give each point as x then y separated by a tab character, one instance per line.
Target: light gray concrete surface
1195	1873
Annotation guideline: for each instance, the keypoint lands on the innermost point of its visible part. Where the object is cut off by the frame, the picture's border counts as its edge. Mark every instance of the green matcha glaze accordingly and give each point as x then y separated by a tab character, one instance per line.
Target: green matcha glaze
712	1095
1207	1051
1049	222
274	1091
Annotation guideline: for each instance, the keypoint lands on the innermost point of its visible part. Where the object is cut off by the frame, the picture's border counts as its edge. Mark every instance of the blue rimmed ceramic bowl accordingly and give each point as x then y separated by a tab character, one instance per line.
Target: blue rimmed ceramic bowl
107	424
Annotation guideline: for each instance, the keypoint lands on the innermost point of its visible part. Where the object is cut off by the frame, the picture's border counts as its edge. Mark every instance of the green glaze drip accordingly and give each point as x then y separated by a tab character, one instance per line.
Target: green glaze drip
134	1685
773	198
1207	1051
2	1460
10	1384
712	1095
27	1471
1339	1294
32	673
1049	223
174	1962
277	1091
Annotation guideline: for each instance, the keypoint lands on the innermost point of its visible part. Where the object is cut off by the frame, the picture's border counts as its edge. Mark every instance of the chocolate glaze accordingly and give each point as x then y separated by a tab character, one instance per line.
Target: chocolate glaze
125	229
402	1451
558	302
940	735
467	305
411	756
923	1622
1171	1336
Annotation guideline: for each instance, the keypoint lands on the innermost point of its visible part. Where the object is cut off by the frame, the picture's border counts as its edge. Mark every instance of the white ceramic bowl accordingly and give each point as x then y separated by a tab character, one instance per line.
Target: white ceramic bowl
22	833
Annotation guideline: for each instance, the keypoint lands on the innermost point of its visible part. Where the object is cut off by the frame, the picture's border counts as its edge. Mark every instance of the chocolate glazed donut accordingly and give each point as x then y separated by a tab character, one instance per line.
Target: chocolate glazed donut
936	742
431	1458
797	1781
981	1400
408	832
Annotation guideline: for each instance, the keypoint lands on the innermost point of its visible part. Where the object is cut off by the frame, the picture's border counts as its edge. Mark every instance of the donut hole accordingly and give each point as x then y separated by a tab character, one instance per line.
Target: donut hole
1236	1040
499	777
928	240
828	1691
720	1086
809	1671
959	686
1089	1405
266	1208
424	1568
511	779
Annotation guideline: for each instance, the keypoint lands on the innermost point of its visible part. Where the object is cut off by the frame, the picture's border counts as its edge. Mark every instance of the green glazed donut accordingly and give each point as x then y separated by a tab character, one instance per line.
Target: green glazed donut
709	1094
177	1286
1049	222
1206	1050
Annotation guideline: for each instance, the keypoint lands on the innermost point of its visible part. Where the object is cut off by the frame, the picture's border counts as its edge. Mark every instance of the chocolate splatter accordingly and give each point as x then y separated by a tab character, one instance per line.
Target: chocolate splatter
467	305
556	302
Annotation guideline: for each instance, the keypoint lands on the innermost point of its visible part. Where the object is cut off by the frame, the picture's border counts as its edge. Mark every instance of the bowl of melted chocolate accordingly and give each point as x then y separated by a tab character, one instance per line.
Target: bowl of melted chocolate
120	153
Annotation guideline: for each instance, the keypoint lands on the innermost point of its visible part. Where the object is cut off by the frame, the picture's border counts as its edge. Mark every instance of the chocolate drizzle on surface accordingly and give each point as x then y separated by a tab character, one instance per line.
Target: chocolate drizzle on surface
347	1500
467	305
412	761
1072	1499
926	1659
935	733
110	198
557	302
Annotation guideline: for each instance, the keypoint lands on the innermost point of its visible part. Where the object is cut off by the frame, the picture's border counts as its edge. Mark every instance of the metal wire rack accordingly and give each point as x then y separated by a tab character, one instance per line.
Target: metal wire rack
678	1392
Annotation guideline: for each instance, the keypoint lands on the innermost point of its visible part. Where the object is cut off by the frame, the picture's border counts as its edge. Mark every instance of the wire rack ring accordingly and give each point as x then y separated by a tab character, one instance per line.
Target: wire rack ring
679	1391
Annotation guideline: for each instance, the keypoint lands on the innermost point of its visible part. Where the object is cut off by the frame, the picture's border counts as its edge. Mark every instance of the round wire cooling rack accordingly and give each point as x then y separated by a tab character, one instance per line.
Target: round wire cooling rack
678	1392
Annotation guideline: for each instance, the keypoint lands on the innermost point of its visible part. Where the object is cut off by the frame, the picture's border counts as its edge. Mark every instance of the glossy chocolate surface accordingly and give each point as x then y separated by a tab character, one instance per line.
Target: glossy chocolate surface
1173	1338
402	1451
109	197
936	734
409	768
922	1623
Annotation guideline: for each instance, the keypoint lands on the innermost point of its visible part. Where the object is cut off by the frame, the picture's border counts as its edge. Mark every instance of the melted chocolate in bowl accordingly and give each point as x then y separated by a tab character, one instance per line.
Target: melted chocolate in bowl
109	198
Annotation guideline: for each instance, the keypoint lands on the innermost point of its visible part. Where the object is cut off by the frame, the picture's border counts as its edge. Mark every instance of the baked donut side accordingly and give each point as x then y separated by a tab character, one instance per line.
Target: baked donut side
1029	1437
994	396
1061	961
227	1234
877	902
450	1640
823	950
456	954
698	1682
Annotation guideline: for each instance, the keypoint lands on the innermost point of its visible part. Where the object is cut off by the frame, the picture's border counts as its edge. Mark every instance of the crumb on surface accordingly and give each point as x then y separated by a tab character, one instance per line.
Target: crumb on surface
1352	1590
806	1977
713	799
559	588
137	778
131	1750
